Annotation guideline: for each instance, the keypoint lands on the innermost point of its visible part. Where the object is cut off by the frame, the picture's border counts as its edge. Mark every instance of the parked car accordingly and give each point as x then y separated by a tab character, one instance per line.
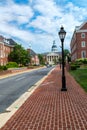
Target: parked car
48	65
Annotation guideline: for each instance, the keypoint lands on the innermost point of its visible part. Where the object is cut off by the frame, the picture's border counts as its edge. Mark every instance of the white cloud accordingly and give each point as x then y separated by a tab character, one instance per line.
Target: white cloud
44	23
42	42
11	12
15	32
48	20
21	14
47	8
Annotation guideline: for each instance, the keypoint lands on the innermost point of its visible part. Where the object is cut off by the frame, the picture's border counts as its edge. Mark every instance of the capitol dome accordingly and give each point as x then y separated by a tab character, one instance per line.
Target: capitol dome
54	47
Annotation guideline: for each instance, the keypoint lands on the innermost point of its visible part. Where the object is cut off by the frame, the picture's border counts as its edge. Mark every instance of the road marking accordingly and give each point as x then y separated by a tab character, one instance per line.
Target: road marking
20	78
4	117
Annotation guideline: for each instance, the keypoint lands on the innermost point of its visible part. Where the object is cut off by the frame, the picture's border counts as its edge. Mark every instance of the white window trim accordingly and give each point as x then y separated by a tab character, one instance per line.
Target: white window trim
82	35
83	54
83	44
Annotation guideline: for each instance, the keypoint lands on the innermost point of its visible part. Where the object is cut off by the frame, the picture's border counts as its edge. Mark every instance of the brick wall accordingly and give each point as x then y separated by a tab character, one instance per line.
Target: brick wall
5	50
79	44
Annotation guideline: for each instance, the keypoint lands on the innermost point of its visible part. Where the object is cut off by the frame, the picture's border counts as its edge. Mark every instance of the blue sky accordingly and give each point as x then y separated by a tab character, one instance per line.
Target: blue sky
36	23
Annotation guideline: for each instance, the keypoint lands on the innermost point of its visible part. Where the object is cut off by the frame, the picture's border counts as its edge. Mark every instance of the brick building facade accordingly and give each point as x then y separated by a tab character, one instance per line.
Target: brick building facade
6	46
78	43
34	57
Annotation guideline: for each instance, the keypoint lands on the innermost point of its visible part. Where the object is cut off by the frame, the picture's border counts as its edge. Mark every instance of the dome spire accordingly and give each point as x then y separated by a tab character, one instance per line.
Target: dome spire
54	47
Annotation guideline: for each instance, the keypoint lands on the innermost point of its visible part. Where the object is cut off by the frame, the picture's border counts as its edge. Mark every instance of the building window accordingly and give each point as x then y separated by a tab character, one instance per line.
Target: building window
83	44
82	35
83	54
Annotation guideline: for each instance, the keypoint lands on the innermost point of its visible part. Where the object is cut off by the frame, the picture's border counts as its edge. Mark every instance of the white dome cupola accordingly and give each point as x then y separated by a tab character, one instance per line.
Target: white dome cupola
54	47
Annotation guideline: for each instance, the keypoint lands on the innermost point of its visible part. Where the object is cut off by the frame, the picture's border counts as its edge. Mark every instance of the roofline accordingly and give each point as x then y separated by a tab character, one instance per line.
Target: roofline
79	27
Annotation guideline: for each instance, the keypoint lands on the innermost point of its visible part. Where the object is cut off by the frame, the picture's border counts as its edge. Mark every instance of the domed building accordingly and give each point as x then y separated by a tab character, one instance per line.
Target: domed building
53	56
54	47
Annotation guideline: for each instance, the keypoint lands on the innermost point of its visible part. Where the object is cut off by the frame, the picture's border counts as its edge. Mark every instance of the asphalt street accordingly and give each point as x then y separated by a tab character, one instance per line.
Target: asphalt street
11	88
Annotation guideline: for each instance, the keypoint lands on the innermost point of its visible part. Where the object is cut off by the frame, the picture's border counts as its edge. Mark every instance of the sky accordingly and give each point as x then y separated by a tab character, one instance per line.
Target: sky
35	23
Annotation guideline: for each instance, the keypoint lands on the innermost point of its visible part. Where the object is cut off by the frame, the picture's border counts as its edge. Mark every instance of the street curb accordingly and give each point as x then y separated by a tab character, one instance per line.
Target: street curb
20	72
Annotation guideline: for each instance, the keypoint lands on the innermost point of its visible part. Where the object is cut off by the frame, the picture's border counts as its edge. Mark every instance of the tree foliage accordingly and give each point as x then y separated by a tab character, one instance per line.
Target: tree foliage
41	59
66	52
19	55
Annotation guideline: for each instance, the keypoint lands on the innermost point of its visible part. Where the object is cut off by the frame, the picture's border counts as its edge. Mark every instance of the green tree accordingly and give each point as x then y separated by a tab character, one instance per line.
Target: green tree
41	59
19	55
66	52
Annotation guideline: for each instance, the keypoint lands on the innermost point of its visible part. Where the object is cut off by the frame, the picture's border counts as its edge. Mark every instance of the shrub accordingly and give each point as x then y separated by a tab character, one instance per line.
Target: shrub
85	61
73	67
82	60
12	65
3	68
77	65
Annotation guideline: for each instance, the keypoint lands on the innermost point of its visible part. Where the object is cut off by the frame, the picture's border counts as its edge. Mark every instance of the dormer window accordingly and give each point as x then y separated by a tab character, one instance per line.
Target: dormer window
82	35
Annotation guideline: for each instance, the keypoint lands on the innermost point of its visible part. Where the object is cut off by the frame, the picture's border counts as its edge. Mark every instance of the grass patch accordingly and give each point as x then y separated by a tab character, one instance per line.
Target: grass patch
80	76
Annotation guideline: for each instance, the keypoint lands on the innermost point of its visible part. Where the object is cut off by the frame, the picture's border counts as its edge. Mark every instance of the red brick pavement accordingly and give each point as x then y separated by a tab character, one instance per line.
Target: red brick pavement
50	109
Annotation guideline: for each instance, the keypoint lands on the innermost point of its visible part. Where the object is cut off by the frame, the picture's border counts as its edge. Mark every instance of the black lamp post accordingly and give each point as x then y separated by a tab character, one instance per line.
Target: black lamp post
62	34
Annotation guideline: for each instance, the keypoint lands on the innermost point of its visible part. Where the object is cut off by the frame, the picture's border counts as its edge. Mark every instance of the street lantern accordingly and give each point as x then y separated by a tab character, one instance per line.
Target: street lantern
62	35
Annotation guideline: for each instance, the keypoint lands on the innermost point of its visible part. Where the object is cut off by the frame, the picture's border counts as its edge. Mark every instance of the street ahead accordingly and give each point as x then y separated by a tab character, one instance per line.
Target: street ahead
13	87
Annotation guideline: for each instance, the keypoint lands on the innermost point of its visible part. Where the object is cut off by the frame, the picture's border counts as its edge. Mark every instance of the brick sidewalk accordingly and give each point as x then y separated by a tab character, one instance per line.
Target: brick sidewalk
50	109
